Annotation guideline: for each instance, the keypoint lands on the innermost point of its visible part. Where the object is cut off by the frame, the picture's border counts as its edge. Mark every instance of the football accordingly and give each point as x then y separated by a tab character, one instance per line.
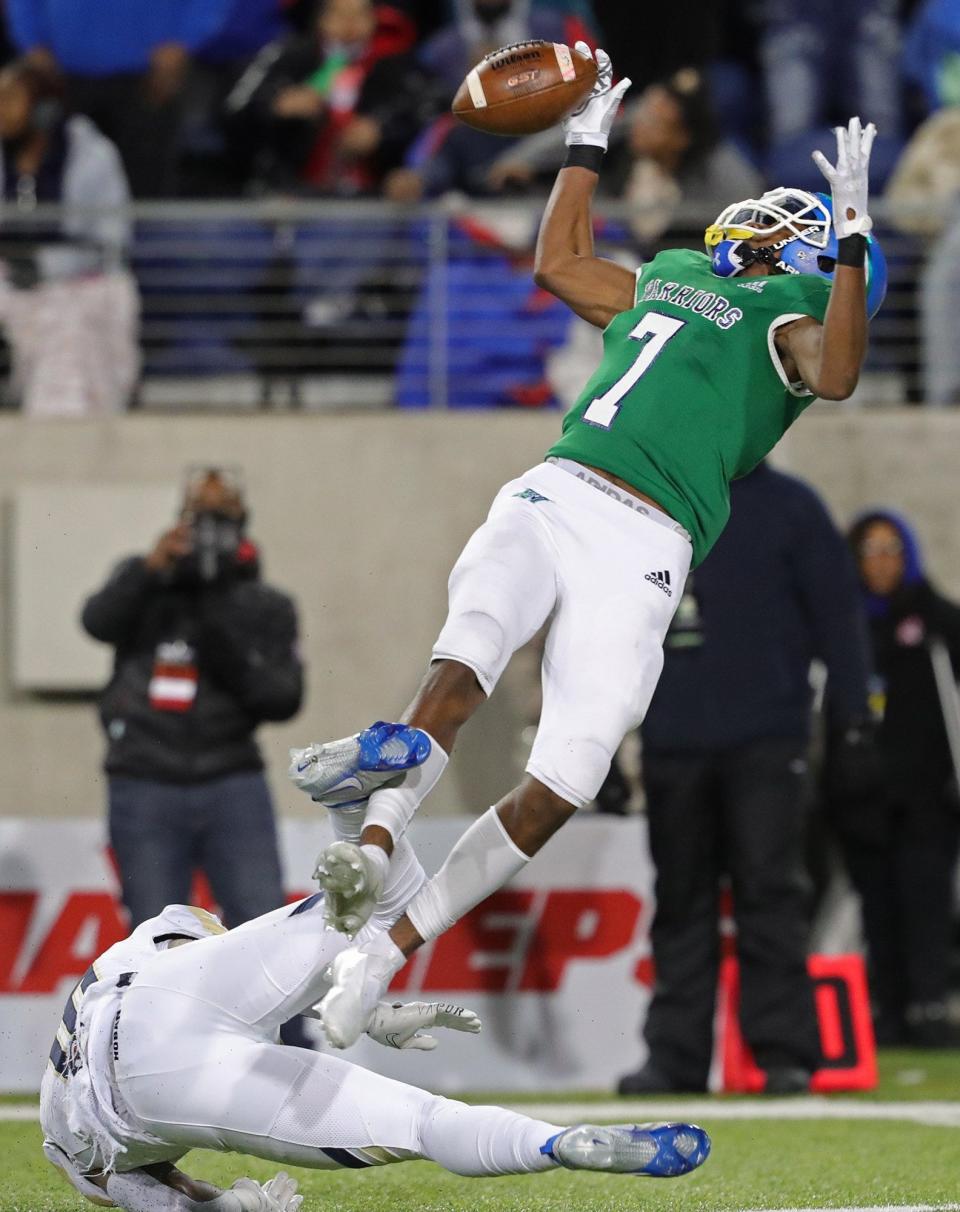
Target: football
524	88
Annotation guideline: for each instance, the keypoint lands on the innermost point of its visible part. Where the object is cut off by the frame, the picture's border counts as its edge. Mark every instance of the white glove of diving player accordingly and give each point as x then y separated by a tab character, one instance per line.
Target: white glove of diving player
398	1024
137	1191
591	123
849	181
279	1194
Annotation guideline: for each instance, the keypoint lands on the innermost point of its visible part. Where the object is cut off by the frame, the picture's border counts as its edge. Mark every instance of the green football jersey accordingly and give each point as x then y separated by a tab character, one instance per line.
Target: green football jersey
691	393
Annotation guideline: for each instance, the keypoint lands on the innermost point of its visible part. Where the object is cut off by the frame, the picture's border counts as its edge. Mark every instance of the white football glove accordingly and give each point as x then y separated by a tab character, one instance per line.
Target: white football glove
590	124
398	1024
279	1194
849	180
137	1191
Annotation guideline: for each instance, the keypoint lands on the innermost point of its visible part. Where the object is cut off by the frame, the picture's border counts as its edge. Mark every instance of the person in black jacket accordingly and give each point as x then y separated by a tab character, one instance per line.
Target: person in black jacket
331	111
724	769
901	847
204	653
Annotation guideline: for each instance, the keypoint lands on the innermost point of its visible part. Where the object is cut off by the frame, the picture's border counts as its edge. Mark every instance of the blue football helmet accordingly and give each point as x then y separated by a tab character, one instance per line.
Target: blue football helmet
809	245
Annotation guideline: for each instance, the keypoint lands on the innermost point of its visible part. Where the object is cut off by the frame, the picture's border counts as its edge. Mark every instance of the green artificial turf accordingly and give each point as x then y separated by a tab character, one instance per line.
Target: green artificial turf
755	1164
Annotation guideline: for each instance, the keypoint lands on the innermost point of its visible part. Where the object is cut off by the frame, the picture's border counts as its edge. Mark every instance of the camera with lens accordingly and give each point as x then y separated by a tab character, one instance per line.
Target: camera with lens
216	540
217	518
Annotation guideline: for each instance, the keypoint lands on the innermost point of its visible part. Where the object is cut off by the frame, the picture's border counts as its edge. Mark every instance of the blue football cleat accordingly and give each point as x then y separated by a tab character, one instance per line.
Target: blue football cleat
347	771
654	1150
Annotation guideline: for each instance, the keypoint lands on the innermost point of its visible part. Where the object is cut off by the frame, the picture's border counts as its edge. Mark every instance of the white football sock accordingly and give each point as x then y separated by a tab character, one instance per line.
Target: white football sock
348	822
393	808
483	1141
482	861
400	872
403	880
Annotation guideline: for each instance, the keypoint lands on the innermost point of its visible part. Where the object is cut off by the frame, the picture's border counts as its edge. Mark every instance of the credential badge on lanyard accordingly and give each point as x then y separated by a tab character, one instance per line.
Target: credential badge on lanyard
173	685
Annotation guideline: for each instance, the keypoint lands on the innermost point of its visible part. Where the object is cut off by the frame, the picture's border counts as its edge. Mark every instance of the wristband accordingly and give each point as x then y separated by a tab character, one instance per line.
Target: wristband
584	155
852	251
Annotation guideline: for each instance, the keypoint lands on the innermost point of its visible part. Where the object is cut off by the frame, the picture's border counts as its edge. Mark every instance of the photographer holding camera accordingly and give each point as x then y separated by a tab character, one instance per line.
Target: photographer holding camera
205	651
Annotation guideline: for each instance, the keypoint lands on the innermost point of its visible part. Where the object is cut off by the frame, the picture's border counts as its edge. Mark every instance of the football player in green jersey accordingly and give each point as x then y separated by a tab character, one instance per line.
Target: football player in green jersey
708	359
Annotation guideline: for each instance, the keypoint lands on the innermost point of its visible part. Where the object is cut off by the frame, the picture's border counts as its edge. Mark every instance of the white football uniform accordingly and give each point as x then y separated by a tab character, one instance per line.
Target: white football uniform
79	1107
166	1050
608	570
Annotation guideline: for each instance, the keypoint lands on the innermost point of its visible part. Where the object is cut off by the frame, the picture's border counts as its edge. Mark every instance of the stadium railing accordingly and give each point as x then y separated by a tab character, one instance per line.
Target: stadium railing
318	304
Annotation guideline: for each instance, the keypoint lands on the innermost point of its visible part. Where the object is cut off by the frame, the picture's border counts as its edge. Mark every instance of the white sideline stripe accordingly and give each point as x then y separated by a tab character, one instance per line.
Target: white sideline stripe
870	1208
933	1114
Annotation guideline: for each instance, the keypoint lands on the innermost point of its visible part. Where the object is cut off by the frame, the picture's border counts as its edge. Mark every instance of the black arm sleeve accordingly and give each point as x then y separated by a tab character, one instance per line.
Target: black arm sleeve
248	643
111	613
826	583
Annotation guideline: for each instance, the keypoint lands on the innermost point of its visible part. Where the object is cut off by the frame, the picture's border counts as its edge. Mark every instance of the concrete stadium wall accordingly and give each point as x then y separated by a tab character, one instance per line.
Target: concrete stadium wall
360	517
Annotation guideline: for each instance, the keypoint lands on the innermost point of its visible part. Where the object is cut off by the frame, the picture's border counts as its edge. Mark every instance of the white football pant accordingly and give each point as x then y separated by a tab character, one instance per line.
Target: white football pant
611	578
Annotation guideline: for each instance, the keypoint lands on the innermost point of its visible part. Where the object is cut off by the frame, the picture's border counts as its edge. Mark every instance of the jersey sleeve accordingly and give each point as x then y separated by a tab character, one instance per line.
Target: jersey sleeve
807	297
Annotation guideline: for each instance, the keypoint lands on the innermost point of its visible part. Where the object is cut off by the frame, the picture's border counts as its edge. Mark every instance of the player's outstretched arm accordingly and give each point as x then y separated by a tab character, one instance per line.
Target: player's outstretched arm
164	1188
596	289
828	357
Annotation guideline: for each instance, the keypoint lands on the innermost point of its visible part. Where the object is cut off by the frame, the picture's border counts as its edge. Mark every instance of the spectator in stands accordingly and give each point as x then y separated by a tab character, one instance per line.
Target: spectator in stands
688	33
931	52
125	66
901	846
925	190
211	164
823	61
481	26
332	110
665	149
924	200
724	768
205	651
448	157
68	307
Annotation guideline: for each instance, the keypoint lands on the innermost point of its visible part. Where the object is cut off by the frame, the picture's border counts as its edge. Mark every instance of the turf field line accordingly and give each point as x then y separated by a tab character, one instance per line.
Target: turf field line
935	1114
932	1114
870	1208
19	1111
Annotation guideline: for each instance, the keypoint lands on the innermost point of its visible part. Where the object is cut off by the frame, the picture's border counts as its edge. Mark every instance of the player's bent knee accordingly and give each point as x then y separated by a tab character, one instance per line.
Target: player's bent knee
572	768
478	640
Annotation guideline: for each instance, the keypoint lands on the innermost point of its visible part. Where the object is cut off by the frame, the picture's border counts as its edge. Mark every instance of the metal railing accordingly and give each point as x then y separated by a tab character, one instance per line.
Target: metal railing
346	304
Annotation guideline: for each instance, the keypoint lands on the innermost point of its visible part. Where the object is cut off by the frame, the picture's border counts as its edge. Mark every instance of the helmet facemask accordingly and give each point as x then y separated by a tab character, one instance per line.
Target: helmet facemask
798	214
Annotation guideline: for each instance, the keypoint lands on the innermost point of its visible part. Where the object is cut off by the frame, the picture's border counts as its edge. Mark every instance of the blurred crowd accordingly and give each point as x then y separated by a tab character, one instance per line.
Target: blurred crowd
351	97
348	99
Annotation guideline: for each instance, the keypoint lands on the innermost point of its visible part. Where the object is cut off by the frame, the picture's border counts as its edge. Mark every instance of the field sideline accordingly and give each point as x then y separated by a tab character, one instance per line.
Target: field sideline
897	1148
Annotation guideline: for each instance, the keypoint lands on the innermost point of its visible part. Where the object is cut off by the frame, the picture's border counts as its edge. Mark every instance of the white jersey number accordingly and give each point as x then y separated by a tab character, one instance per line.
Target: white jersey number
653	331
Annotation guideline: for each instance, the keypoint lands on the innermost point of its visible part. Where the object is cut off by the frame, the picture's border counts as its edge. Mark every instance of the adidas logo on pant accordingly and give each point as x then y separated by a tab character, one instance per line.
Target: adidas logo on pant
661	580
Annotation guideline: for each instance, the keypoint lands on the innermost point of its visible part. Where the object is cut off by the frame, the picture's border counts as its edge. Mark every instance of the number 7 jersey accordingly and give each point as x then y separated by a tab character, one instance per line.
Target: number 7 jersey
691	393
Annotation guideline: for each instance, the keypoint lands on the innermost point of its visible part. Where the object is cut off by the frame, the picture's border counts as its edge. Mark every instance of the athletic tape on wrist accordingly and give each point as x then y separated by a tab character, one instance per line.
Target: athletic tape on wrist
585	155
482	861
852	251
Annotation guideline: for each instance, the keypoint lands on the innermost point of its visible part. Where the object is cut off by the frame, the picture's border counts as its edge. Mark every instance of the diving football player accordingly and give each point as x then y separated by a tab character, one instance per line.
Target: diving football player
170	1043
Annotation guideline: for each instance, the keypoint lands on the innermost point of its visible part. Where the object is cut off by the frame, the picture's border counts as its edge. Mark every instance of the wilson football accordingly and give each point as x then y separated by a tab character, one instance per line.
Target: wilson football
524	88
